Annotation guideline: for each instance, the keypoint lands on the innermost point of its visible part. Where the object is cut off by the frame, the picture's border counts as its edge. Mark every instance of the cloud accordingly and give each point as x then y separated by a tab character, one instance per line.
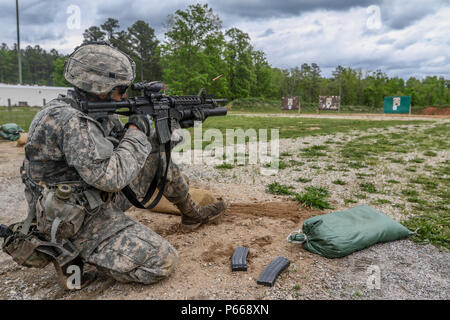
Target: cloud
340	38
266	33
268	8
410	39
402	13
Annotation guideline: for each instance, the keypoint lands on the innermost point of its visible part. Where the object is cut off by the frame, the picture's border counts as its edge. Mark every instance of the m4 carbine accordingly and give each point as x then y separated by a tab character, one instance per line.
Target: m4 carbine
163	109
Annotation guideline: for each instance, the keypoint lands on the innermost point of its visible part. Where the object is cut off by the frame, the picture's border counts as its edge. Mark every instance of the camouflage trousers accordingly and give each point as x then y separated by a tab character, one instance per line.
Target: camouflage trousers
125	249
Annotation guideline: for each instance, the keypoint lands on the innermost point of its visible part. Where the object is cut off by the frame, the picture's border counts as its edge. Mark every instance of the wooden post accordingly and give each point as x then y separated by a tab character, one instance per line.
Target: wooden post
9	104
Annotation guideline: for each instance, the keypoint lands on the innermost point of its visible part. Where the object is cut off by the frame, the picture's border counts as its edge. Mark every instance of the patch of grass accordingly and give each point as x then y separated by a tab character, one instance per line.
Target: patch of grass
381	201
410	193
368	187
303	180
392	181
429	153
416	200
314	197
22	116
225	166
427	182
398	205
397	160
411	169
314	151
347	201
285	154
417	160
294	163
279	189
315	167
339	182
296	127
356	165
430	227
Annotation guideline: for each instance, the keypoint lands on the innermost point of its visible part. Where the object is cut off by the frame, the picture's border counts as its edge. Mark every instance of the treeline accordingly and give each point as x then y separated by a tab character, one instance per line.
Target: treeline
38	65
196	50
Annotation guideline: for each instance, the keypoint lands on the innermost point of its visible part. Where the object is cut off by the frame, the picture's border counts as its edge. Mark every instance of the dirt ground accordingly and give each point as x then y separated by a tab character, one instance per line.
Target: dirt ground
436	111
204	267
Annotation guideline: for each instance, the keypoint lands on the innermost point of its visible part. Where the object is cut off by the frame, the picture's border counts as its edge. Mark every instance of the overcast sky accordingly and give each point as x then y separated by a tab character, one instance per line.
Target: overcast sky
401	37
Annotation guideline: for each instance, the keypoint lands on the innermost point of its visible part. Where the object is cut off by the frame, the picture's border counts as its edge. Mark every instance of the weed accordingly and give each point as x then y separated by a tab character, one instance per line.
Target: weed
280	189
314	151
368	187
410	193
225	166
356	165
339	182
314	197
417	160
381	201
347	201
430	153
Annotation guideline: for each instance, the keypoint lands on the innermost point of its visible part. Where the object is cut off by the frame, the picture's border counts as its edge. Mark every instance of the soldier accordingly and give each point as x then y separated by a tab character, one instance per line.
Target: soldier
75	167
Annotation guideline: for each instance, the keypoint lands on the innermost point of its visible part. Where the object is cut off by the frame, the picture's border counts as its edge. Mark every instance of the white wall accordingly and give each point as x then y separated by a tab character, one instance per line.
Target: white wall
33	95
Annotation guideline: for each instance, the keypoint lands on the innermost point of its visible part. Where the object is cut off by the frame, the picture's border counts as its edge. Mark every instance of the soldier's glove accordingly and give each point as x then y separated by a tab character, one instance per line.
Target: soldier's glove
142	121
198	114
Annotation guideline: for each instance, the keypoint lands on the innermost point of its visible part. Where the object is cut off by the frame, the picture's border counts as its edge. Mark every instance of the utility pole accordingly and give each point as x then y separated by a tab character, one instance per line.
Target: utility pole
18	43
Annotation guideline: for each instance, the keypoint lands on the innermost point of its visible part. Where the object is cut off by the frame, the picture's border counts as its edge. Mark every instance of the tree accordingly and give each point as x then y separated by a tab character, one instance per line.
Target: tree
58	73
93	34
185	54
110	28
144	47
238	56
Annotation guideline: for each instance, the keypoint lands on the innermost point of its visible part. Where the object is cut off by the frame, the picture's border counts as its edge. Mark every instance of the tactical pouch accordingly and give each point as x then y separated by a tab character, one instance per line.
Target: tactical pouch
33	251
58	214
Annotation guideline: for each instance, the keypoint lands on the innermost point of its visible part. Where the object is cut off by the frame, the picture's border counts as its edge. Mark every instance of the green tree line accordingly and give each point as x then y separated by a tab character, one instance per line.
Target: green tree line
196	50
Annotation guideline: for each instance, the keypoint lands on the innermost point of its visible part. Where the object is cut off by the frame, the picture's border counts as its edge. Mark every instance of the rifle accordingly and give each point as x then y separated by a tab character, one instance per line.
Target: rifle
165	111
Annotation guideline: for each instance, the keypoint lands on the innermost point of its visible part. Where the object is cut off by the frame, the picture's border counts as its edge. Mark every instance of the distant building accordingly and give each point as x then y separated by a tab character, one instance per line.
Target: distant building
28	95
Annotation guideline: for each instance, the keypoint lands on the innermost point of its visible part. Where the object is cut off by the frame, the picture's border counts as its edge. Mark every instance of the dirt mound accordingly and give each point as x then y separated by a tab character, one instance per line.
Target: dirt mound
436	111
288	210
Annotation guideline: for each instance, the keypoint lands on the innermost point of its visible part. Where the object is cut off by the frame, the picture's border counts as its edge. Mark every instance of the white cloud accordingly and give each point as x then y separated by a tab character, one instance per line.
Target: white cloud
330	38
413	38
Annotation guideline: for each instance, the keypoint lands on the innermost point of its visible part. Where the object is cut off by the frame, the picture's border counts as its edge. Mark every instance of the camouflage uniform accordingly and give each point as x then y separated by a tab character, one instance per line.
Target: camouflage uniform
65	145
95	159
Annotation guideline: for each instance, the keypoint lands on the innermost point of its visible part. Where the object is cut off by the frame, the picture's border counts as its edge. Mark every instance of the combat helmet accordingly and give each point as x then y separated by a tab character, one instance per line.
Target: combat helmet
98	68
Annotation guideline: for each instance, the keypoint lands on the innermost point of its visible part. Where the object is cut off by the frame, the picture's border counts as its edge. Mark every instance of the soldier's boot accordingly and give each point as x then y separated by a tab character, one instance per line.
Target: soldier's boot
193	215
63	276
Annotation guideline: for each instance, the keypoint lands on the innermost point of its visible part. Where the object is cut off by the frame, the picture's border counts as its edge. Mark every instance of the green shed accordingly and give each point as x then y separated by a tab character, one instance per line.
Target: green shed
397	104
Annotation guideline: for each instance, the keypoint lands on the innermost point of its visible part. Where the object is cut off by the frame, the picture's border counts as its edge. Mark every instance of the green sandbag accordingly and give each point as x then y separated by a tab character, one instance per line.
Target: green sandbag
337	234
10	131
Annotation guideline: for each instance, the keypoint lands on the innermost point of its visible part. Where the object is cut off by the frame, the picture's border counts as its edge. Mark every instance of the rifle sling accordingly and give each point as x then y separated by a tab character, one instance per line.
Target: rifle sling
131	195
